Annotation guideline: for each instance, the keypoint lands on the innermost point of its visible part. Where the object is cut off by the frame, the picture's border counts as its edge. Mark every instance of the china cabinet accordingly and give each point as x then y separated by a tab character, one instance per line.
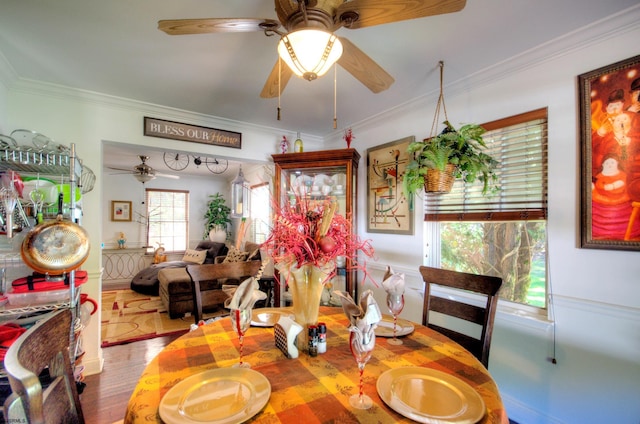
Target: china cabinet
321	174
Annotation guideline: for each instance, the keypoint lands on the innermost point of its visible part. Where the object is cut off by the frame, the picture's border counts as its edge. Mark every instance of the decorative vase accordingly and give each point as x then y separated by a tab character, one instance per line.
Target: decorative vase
305	285
218	233
437	181
298	146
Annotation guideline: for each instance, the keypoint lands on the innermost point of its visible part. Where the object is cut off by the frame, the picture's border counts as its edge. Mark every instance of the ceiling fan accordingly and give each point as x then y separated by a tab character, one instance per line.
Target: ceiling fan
143	172
295	17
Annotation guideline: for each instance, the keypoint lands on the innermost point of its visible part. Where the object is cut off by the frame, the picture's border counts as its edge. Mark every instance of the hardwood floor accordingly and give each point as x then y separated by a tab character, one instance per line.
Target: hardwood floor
105	397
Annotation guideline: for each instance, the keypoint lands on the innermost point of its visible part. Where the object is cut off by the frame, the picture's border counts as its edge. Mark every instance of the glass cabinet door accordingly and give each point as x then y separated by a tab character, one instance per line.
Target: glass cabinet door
318	176
315	184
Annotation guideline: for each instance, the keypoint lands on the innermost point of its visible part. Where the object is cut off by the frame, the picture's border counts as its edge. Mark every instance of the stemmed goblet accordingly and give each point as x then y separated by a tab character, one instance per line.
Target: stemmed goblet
362	344
241	321
395	303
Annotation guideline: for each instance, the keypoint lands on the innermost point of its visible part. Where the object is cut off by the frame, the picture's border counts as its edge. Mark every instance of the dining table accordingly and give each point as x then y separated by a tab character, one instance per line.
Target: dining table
315	389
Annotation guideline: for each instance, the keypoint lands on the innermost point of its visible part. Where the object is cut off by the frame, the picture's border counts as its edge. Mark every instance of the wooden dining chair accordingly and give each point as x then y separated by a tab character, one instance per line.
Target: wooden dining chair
236	271
45	346
483	316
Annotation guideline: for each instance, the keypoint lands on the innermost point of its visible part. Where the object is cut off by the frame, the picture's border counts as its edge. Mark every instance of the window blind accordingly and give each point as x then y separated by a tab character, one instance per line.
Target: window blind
168	218
519	144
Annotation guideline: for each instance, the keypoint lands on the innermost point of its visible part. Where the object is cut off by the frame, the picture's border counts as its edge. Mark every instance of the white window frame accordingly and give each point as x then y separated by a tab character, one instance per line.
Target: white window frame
432	248
151	218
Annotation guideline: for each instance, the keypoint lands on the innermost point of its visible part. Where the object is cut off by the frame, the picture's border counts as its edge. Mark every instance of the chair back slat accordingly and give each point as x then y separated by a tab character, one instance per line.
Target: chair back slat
460	310
45	345
484	316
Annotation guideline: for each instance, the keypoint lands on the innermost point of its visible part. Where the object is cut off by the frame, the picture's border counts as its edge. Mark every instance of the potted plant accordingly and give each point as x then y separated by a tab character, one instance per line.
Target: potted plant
452	154
216	219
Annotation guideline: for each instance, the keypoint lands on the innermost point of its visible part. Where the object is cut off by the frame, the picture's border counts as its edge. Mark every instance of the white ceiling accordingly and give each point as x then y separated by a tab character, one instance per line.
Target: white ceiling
114	47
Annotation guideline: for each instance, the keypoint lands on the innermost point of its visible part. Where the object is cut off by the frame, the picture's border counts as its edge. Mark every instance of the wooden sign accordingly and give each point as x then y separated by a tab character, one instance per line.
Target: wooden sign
185	132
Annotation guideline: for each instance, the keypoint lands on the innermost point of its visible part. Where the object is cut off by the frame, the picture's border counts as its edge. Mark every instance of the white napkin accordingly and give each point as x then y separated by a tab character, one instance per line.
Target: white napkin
363	318
393	282
243	296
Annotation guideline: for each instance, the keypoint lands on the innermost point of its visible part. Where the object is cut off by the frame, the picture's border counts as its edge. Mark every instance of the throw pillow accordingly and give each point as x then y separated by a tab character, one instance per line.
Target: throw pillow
194	256
255	255
235	255
213	249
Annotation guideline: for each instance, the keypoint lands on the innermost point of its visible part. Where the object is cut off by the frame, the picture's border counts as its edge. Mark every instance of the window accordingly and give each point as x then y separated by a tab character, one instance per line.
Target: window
505	234
261	199
168	219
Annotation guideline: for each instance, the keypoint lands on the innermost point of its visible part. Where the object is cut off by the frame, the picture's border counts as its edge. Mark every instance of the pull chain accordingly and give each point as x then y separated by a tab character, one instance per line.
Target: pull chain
279	87
335	96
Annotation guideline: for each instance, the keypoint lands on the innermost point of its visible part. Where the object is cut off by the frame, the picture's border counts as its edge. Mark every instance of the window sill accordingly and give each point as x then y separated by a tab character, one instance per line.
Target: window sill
521	315
513	314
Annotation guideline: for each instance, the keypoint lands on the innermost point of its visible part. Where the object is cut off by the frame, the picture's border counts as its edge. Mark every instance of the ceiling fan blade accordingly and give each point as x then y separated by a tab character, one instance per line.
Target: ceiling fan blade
121	169
363	68
174	177
378	12
212	25
272	87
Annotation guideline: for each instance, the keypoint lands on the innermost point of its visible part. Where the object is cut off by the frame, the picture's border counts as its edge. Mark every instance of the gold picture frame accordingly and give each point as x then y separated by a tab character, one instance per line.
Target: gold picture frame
121	210
388	209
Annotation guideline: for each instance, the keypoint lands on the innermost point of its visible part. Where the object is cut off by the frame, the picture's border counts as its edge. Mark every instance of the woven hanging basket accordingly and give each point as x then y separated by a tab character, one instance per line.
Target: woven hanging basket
437	181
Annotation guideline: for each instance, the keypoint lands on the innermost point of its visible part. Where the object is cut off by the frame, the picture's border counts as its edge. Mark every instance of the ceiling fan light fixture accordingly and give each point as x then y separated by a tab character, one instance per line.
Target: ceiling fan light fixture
310	53
143	178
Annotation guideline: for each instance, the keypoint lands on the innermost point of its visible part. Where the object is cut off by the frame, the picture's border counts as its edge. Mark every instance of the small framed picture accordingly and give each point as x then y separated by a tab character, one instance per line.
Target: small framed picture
120	210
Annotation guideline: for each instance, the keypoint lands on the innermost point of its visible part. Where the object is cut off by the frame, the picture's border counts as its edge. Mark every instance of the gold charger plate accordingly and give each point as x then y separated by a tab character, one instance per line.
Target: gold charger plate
217	396
385	327
430	396
267	317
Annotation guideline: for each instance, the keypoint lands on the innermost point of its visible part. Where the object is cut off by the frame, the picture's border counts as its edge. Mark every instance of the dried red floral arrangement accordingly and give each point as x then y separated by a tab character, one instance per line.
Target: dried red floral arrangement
348	136
311	232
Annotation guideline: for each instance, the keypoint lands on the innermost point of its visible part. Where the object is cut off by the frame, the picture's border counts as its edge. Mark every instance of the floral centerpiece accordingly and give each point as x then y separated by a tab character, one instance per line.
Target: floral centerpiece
306	239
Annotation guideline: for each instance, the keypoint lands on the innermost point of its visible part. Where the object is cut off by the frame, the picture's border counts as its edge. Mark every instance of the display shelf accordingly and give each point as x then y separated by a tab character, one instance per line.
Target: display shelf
316	176
35	162
9	312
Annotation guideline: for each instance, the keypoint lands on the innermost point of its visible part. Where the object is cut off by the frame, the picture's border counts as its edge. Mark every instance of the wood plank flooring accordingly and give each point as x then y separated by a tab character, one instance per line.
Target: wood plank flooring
105	397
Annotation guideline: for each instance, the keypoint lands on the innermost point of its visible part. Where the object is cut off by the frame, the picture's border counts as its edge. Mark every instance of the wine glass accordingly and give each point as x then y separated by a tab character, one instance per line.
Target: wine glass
241	321
395	303
362	344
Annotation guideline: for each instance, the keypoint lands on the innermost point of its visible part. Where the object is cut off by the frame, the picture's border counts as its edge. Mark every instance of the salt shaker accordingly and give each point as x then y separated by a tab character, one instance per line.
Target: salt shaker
322	337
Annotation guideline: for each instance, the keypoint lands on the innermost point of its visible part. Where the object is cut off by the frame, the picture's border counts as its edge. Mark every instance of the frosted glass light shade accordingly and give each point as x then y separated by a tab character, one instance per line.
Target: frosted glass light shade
310	52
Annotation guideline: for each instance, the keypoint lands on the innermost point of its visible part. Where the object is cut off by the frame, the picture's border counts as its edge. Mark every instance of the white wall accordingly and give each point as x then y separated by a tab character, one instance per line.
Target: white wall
89	119
596	292
125	187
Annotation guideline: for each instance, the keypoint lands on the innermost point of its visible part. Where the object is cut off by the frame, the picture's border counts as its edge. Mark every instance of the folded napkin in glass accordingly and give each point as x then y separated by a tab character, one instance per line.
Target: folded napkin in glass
393	282
363	317
243	296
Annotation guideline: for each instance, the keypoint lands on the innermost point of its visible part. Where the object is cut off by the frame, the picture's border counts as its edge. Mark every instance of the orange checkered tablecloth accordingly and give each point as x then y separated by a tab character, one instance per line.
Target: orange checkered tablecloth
309	389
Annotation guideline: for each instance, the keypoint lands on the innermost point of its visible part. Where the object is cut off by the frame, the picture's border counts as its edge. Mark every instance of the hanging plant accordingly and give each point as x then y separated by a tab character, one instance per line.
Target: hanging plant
452	154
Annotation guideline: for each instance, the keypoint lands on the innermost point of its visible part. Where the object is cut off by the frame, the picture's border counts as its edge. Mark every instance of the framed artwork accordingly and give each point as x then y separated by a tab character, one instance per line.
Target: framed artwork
388	210
610	161
120	210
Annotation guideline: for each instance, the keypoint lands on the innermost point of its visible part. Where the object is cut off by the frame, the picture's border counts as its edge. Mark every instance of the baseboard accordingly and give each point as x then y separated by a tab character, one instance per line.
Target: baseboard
521	413
94	366
115	285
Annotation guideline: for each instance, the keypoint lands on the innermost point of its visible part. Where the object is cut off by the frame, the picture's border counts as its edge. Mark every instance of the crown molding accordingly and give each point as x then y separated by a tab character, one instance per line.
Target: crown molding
572	42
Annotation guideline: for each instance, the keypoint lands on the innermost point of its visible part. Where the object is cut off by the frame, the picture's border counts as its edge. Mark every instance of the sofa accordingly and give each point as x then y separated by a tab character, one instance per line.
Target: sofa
146	281
175	284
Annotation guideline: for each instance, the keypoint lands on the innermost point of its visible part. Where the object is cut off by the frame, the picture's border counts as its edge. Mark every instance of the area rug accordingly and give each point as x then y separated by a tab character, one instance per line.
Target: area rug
128	316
